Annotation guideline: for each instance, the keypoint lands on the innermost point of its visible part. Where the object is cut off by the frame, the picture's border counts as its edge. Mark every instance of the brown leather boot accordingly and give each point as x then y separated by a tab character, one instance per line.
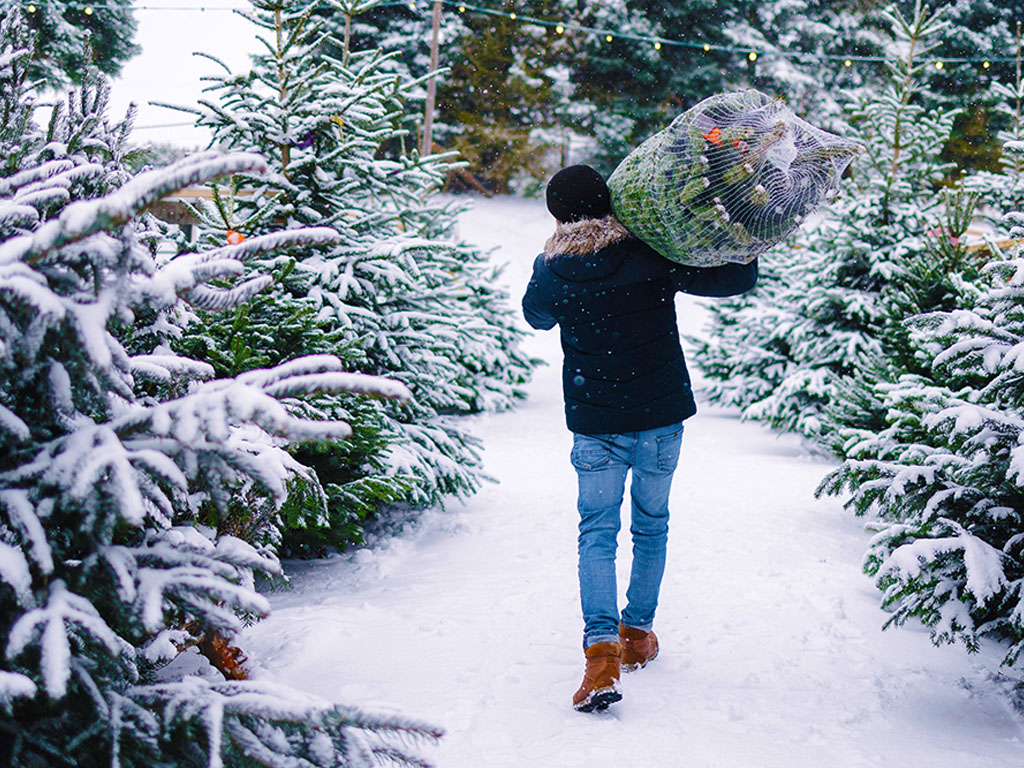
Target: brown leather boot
638	647
600	679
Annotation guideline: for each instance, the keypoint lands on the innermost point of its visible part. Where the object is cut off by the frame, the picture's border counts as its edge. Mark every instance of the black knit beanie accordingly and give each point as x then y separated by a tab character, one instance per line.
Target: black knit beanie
578	192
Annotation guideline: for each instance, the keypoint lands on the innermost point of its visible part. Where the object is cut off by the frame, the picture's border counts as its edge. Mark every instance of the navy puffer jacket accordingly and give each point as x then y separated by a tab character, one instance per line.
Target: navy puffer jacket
612	297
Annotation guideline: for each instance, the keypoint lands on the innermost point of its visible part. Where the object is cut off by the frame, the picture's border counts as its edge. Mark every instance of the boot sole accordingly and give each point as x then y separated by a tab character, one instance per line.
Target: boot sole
639	665
598	700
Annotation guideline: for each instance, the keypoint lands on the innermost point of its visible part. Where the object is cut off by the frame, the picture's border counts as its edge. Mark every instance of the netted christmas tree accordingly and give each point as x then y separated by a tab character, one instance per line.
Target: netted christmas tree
403	295
830	323
944	473
112	456
727	179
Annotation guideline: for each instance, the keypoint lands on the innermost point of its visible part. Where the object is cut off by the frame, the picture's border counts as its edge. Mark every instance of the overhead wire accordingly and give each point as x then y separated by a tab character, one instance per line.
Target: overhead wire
562	26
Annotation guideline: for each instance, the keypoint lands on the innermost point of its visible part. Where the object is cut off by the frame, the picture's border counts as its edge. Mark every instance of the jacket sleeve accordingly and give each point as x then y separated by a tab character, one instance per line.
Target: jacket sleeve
537	314
726	280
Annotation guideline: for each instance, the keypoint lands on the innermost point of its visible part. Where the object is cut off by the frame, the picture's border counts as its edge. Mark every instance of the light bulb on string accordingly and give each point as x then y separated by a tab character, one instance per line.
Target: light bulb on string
752	56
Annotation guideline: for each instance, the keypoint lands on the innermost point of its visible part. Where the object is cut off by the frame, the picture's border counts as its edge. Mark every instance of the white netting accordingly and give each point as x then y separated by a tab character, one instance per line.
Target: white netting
728	179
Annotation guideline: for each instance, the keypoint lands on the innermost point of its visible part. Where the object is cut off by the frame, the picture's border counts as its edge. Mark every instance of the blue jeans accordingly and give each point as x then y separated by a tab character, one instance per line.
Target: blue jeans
601	463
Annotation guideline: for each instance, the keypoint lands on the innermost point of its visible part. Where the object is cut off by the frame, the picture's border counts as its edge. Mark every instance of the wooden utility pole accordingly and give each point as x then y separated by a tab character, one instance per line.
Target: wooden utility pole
347	42
1016	128
1018	65
286	155
428	117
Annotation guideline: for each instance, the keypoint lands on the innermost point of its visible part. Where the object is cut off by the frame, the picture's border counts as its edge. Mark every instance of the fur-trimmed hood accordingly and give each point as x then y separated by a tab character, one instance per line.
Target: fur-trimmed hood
584	237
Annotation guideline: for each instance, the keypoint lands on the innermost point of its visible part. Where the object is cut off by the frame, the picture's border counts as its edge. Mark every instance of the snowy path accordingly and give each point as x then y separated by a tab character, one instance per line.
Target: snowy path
772	652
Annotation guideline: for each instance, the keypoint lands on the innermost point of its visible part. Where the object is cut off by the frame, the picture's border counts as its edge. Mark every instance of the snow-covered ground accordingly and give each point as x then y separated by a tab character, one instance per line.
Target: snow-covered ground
772	648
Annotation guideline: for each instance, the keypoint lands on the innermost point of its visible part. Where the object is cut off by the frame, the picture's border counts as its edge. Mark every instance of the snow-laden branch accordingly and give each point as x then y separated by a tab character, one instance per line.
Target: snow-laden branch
87	217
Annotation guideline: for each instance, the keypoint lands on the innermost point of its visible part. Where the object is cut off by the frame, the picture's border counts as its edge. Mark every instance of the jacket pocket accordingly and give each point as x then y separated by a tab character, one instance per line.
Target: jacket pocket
668	450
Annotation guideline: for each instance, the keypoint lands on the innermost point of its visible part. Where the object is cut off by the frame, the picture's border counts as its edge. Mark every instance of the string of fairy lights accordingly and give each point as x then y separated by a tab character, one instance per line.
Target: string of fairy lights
562	27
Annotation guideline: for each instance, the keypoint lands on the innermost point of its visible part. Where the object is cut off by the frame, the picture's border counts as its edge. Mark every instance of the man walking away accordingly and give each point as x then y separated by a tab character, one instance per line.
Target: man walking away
627	393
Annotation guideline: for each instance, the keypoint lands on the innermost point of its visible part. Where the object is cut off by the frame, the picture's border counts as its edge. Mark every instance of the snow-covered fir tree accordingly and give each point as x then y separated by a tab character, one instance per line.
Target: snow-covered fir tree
503	122
394	28
1003	190
803	48
497	93
72	38
980	45
520	92
802	351
616	89
111	457
77	152
399	292
944	474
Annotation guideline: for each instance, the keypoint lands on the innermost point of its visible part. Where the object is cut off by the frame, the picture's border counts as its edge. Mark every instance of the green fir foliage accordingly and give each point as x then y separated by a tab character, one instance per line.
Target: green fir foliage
71	38
496	104
886	339
943	475
799	352
399	295
114	450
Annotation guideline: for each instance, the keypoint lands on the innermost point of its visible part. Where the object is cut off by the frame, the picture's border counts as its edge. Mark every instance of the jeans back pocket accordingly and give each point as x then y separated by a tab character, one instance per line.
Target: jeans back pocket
668	450
588	454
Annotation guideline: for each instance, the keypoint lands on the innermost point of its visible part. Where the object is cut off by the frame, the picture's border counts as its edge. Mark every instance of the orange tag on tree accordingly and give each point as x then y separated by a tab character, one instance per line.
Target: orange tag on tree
235	237
714	136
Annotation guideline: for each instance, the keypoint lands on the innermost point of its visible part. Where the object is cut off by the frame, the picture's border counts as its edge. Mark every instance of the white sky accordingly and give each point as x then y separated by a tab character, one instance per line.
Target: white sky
165	70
